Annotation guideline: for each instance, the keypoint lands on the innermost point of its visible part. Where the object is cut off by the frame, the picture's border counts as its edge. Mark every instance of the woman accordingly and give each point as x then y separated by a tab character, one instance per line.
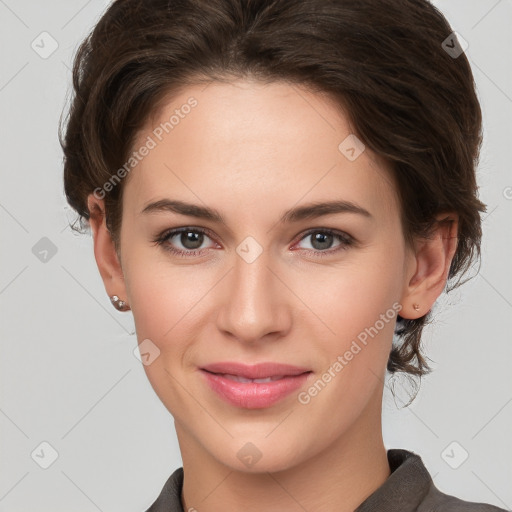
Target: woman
279	192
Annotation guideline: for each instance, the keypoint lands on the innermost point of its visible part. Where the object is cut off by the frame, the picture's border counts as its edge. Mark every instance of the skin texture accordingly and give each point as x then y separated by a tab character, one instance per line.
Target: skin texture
252	151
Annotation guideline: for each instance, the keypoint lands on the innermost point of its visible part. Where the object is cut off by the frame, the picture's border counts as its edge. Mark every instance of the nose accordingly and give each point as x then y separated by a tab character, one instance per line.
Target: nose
254	303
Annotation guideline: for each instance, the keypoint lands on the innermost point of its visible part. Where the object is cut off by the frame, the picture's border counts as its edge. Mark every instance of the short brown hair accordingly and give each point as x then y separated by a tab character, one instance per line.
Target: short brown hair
409	100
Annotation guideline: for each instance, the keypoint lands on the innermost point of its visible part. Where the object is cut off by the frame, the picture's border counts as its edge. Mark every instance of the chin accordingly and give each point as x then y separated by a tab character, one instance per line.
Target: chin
259	455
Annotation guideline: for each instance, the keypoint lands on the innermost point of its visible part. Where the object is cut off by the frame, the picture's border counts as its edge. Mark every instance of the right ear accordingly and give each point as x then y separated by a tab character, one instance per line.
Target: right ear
104	249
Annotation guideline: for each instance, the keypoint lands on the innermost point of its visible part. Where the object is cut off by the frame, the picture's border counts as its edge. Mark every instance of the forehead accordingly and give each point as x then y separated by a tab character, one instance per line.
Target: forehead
274	142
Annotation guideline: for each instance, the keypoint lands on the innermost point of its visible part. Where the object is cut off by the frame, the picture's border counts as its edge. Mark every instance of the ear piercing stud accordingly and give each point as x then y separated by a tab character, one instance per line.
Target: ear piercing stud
416	307
119	304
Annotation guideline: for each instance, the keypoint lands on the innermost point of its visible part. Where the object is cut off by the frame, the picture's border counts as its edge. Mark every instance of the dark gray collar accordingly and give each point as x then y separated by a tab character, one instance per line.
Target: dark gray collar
408	487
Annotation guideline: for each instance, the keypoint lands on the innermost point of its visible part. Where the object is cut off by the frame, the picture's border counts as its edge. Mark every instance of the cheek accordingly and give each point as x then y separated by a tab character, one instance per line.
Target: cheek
159	292
360	310
168	302
166	308
358	304
351	298
162	301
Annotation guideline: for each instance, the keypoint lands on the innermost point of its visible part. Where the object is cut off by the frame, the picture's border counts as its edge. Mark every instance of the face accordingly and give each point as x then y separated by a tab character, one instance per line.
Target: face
227	266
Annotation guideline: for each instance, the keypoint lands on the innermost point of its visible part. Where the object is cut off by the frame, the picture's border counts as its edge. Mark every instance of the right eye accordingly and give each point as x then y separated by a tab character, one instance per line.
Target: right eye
189	238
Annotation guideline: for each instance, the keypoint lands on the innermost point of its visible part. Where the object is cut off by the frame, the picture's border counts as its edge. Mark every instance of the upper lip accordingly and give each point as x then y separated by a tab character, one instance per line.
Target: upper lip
256	371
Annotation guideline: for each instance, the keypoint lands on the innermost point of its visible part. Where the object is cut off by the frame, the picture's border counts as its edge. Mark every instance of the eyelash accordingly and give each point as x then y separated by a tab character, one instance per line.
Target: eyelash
162	240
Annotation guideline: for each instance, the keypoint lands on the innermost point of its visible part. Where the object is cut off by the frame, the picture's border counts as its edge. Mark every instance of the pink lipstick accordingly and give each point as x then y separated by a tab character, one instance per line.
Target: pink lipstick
254	386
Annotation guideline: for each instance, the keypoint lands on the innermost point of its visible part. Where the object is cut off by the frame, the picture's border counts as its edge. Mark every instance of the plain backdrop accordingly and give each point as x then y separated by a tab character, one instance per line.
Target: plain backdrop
74	397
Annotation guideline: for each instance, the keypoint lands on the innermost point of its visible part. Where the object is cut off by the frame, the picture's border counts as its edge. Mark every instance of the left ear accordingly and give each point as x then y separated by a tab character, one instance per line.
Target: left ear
432	257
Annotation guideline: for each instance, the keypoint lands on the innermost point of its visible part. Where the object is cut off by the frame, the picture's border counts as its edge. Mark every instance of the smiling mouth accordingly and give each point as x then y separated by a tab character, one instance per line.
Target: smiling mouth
235	370
238	378
254	387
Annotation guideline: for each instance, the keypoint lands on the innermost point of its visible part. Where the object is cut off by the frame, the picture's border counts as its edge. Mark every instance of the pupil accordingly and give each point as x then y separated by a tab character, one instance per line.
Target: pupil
322	240
191	240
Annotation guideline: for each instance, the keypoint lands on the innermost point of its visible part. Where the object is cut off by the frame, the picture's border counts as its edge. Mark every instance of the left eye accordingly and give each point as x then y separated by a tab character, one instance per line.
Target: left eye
322	240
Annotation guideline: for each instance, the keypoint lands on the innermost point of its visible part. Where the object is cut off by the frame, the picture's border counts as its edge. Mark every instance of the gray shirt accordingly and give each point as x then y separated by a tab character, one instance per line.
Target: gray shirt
408	488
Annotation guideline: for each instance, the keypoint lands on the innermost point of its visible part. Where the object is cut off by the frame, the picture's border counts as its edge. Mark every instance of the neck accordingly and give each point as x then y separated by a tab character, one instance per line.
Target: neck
337	479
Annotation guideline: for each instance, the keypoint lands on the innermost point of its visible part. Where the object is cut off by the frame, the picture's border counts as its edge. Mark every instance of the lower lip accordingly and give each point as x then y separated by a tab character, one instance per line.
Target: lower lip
254	395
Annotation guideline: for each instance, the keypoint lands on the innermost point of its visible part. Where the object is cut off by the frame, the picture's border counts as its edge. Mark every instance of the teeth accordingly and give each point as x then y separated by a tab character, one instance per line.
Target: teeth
237	378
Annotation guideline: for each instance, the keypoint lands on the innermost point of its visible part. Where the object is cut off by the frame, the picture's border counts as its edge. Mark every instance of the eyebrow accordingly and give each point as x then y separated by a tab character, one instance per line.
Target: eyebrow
297	214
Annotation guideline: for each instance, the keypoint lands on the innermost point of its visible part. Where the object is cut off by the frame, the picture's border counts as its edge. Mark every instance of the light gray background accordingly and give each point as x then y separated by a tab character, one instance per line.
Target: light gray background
68	373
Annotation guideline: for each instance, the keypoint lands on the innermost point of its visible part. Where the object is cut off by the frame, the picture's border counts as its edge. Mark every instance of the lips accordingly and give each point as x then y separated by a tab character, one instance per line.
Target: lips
255	386
257	371
238	378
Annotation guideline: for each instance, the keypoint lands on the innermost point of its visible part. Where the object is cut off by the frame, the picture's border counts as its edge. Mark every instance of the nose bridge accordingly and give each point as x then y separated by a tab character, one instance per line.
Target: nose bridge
254	304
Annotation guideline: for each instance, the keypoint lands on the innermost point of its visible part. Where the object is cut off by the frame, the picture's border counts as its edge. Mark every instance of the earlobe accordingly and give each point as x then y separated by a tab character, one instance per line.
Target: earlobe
105	252
432	259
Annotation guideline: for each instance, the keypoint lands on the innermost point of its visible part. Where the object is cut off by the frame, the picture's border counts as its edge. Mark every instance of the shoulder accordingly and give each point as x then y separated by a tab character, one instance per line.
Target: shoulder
410	488
437	501
169	499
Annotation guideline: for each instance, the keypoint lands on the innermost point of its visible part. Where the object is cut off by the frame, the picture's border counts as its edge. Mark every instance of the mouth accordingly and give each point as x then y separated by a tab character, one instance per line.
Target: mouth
254	386
239	378
268	370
